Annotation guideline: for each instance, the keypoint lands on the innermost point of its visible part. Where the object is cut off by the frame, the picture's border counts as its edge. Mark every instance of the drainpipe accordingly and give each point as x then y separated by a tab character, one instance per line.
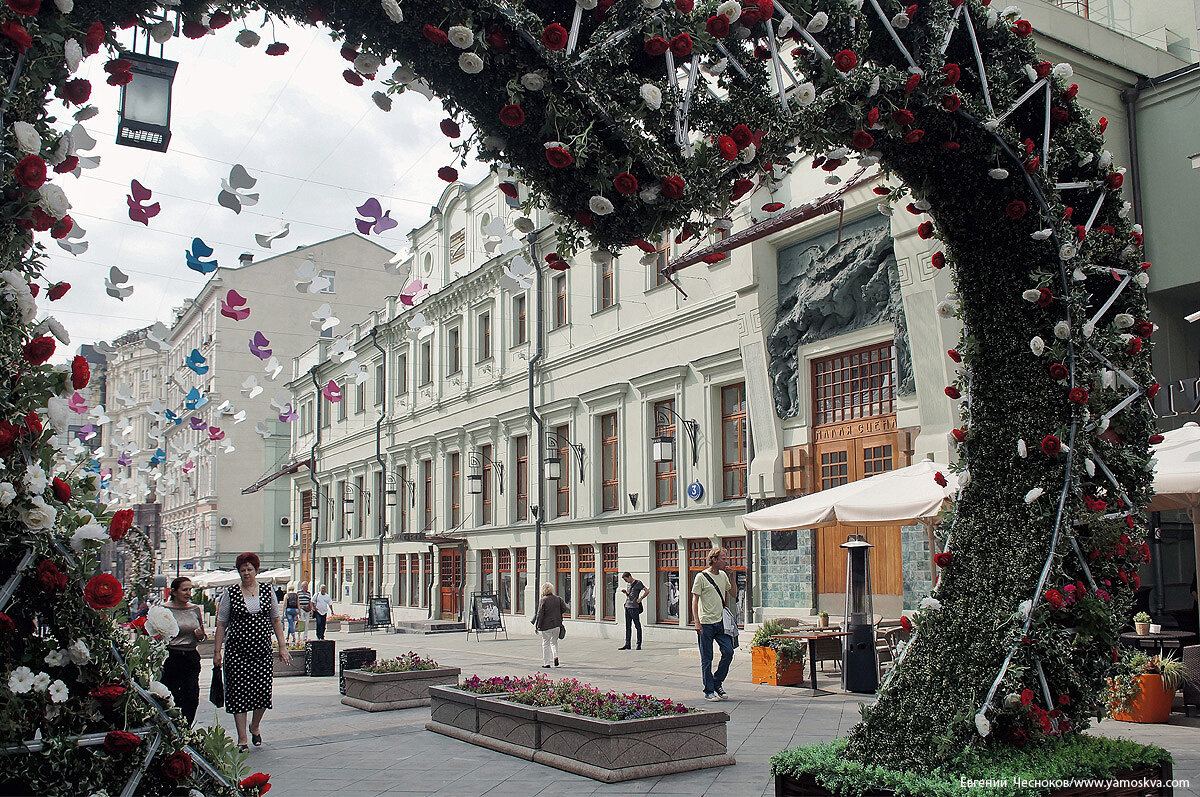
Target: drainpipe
312	454
379	457
1130	96
537	419
429	587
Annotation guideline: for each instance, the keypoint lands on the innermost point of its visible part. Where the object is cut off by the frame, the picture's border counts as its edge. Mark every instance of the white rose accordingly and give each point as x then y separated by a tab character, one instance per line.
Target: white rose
59	692
460	36
92	531
533	81
946	309
731	9
1142	279
991	125
900	21
785	25
74	55
1031	73
1126	209
748	153
1031	295
160	690
162	32
1062	330
885	208
651	194
79	653
248	38
651	95
493	143
41	682
1062	71
470	63
58	411
1041	235
64	150
7	493
998	174
65	6
20	680
383	101
1105	161
403	75
587	5
54	200
38	515
160	621
599	205
1067	251
367	64
1034	494
806	93
1037	345
35	479
1089	465
392	9
1022	449
57	658
931	603
982	725
27	137
818	22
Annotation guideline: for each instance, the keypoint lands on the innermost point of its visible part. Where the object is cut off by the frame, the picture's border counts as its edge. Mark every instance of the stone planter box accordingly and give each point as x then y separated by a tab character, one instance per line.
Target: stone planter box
599	749
356	626
297	667
331	625
455	708
807	786
388	691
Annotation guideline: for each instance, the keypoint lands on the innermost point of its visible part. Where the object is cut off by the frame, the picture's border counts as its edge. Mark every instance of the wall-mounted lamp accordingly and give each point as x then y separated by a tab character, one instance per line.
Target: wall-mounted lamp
553	464
475	460
664	444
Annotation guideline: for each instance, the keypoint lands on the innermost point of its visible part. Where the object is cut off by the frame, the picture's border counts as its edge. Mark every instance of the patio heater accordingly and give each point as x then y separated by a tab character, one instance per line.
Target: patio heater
860	668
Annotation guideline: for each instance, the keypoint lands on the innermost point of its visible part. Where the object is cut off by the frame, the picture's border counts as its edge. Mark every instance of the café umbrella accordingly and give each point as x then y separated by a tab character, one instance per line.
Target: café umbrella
1177	476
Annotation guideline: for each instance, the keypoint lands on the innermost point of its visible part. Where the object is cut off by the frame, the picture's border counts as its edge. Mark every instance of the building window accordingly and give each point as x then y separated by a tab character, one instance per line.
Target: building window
341	405
458	246
453	360
519	334
360	506
697	560
379	384
485	511
427	562
330	277
427	504
608	288
485	572
610	488
562	503
664	472
402	500
660	262
414	580
504	565
360	397
719	235
587	582
735	549
426	363
666	563
733	440
562	568
608	561
522	577
455	490
401	577
402	375
521	445
485	337
326	414
854	384
359	578
369	586
560	300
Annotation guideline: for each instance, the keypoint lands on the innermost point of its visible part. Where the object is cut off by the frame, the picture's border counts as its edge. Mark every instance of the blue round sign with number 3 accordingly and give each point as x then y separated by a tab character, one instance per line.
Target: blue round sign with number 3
695	491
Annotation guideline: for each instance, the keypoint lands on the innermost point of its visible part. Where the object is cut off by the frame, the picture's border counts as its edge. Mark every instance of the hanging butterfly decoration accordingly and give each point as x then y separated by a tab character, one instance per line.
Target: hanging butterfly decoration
200	250
376	220
137	196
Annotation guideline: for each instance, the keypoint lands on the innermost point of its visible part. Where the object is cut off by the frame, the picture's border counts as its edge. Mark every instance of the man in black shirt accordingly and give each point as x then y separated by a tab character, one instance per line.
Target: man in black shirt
635	593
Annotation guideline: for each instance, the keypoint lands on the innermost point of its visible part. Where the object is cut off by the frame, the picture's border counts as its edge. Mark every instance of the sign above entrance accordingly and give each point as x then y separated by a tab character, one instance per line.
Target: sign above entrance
844	431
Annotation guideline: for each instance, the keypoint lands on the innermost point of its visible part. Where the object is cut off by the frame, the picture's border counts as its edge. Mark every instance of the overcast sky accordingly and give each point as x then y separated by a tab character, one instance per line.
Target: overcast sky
318	146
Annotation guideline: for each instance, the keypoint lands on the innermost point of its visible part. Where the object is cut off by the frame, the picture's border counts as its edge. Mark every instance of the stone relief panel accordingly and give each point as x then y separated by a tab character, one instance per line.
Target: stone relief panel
828	289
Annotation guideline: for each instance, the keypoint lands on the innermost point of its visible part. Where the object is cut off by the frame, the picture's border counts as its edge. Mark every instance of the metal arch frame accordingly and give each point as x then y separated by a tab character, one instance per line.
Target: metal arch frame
691	426
553	444
410	485
474	458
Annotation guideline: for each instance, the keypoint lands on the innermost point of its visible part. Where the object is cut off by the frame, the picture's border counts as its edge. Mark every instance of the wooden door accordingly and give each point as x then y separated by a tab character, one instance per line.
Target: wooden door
450	580
842	458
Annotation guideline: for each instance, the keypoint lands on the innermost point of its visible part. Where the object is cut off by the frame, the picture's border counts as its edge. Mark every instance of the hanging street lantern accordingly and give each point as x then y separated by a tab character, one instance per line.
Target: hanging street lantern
145	117
664	448
553	468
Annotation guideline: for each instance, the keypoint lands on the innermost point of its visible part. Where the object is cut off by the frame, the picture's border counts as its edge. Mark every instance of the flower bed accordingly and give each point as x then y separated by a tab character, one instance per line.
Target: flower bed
615	707
406	663
497	684
402	682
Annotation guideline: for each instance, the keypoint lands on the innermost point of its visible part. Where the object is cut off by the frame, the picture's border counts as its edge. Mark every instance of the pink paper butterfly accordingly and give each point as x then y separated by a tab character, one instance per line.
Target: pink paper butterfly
258	346
376	219
332	392
138	194
233	306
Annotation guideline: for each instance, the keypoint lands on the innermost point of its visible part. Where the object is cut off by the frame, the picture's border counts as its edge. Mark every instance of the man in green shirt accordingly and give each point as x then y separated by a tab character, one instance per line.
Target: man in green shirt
710	590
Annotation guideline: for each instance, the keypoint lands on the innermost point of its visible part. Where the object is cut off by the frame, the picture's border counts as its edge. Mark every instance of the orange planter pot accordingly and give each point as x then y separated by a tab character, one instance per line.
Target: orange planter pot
1152	704
764	668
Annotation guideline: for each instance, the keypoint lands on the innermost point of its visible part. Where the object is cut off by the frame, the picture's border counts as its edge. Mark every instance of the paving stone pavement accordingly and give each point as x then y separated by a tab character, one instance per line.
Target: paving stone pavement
314	746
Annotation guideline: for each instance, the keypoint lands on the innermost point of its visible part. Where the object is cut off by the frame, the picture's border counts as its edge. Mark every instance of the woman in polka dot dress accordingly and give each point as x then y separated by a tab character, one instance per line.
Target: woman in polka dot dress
246	618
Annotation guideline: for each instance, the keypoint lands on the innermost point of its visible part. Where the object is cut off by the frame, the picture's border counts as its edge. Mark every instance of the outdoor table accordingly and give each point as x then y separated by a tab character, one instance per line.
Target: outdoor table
812	638
1174	640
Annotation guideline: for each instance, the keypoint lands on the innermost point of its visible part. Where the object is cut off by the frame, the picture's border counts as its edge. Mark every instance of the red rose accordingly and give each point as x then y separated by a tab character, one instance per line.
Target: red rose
348	53
75	91
685	6
741	187
903	117
509	190
911	84
1022	28
943	559
103	591
600	12
951	74
625	183
9	433
1155	439
61	490
30	172
450	128
434	34
717	26
925	230
728	147
555	36
1144	328
862	139
33	423
38	350
905	623
584	218
194	30
672	187
1132	347
940	479
62	227
121	742
1026	697
1042	68
644	245
939	260
218	20
94	39
352	77
1099	505
512	115
1115	180
50	578
656	46
681	47
1051	445
448	173
68	165
1059	115
750	14
255	781
1152	390
7	627
277	48
771	207
845	60
1016	209
914	136
140	625
951	102
1045	297
1058	371
26	8
958	434
558	157
20	37
954	354
177	766
58	290
742	135
1055	599
1071	92
1078	395
953	392
497	39
108	693
40	220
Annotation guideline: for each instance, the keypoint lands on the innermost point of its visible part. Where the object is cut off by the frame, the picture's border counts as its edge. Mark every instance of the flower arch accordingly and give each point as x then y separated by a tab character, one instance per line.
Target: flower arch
630	117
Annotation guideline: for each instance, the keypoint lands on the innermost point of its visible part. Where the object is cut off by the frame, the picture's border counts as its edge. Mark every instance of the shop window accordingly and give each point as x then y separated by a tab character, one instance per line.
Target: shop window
735	549
485	572
504	565
666	561
522	577
697	559
587	582
733	441
612	579
562	568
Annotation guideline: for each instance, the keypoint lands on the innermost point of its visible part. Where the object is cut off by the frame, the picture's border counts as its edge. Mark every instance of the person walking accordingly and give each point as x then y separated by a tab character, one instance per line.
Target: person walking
635	592
304	601
548	623
710	590
181	670
246	618
321	604
291	611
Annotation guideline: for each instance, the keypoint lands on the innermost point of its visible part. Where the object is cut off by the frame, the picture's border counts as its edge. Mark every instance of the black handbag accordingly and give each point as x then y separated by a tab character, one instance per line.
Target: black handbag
216	692
562	631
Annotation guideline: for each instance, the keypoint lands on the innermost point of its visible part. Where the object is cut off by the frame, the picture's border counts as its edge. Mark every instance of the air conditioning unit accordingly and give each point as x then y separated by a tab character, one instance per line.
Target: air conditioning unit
225	522
285	521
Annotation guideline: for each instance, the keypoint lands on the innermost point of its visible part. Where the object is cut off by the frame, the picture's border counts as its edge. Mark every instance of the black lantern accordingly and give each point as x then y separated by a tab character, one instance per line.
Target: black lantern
664	448
145	120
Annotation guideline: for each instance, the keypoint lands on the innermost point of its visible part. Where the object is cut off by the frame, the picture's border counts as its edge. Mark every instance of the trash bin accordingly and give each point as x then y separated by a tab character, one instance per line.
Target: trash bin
352	659
320	657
